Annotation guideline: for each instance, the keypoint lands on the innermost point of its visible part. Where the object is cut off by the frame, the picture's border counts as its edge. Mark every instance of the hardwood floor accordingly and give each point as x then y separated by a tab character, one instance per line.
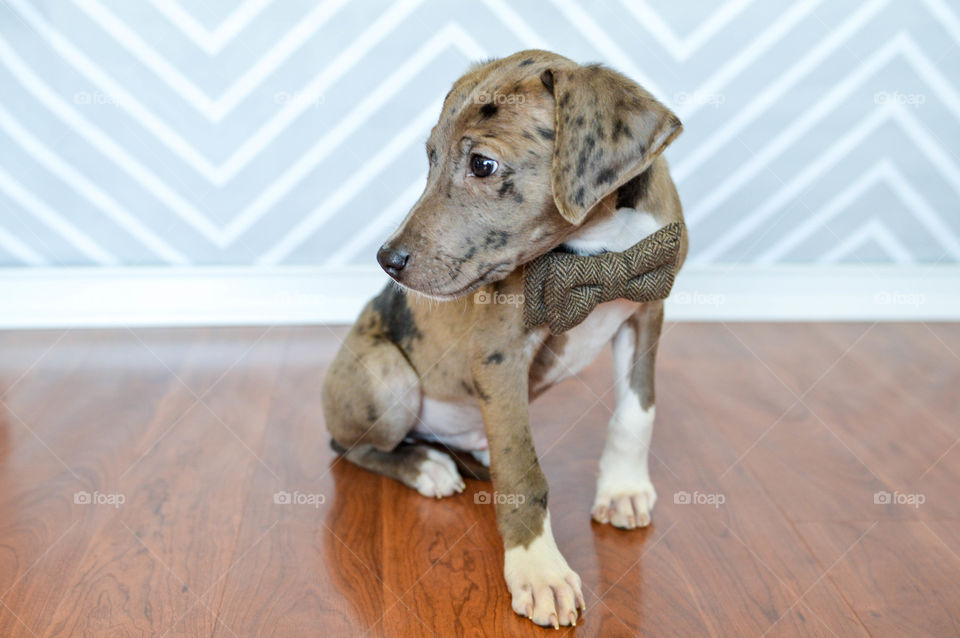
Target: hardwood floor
182	439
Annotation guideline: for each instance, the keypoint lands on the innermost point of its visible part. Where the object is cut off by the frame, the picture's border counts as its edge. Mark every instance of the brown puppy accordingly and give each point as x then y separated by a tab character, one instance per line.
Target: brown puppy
532	153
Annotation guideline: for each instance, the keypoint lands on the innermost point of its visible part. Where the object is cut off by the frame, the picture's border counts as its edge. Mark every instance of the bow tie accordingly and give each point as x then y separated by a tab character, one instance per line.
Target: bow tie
560	289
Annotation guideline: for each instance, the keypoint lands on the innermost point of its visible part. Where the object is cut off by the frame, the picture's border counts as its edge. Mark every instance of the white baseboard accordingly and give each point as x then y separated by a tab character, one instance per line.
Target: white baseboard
107	297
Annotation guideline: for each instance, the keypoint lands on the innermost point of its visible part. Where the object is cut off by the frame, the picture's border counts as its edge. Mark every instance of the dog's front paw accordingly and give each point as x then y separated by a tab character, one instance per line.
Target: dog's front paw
437	475
625	506
543	587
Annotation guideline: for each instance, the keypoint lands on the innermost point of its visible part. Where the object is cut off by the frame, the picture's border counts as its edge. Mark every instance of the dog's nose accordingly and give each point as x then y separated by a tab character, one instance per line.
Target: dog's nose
392	260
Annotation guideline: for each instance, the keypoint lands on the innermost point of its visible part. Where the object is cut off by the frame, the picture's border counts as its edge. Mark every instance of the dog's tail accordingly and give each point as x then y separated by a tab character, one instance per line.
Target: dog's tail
469	466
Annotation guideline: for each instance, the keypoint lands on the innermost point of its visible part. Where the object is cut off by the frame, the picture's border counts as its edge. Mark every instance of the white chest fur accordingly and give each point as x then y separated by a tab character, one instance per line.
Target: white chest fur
618	232
583	342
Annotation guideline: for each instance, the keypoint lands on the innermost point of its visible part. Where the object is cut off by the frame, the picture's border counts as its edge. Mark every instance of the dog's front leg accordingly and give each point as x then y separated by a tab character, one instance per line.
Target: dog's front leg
625	495
542	585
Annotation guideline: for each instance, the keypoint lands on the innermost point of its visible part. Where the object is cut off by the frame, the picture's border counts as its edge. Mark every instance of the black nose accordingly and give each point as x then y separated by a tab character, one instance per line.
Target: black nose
392	259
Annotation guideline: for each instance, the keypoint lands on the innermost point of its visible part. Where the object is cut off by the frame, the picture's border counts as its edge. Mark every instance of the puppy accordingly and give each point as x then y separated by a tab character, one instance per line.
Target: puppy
532	153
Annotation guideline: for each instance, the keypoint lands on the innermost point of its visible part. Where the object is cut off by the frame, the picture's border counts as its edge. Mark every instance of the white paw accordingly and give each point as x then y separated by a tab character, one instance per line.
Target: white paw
543	587
625	506
438	475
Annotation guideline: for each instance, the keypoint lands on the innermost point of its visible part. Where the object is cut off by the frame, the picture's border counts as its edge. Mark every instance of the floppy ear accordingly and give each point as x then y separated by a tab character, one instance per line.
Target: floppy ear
608	130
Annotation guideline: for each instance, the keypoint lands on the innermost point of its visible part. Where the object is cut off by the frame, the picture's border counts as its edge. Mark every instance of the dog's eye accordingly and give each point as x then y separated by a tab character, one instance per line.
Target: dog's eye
481	166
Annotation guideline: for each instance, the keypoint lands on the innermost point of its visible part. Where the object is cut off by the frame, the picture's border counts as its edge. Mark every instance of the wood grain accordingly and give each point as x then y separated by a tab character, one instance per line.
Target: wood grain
203	431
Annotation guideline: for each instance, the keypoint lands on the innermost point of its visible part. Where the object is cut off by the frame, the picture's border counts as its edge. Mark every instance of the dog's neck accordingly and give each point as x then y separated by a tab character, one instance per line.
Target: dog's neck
615	233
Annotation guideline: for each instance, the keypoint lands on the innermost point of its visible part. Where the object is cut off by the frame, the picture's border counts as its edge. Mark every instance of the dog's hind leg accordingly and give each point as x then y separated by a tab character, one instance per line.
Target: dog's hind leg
371	401
625	495
425	469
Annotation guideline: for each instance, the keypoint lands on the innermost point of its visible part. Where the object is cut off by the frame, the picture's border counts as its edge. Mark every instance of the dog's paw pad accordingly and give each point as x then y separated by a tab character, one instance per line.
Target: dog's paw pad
438	475
626	508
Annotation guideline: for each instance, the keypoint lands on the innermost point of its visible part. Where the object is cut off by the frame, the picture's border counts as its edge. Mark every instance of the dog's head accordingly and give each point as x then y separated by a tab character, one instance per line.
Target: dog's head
526	148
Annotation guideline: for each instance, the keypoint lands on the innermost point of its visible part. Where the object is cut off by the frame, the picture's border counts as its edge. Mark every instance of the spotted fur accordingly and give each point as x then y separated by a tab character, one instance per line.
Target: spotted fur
578	152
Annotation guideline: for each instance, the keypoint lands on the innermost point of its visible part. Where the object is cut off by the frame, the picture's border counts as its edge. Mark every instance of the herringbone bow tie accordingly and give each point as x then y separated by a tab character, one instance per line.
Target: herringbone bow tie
560	289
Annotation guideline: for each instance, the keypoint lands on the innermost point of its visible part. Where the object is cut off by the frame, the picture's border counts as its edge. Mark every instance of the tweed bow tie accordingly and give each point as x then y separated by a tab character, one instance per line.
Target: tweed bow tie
560	289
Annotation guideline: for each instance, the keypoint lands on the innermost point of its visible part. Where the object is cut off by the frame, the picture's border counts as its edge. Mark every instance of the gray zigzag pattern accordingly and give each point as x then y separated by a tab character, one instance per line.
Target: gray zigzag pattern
290	132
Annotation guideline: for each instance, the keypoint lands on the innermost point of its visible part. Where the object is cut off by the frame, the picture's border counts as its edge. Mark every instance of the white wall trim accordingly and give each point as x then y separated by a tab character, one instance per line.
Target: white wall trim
110	297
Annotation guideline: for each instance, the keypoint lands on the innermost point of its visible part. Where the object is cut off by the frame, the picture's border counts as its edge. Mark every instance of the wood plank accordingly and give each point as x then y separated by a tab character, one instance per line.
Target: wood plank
64	399
303	570
922	361
808	471
878	421
770	567
200	547
899	576
146	566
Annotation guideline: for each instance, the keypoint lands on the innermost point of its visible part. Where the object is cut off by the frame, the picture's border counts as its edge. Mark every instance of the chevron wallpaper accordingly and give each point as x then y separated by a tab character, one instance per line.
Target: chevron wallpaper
167	132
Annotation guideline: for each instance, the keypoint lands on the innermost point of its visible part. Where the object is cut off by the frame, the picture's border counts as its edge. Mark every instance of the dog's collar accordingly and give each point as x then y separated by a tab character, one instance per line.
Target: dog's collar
561	288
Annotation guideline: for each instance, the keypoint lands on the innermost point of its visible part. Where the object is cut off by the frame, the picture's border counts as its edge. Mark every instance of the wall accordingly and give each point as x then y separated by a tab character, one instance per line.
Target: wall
285	132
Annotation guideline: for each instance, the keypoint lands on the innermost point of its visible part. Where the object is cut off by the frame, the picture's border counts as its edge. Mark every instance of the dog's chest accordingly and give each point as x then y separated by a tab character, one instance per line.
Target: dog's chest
460	424
565	355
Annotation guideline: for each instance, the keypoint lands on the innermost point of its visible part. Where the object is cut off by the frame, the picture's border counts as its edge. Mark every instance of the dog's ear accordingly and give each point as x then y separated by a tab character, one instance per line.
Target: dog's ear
607	129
